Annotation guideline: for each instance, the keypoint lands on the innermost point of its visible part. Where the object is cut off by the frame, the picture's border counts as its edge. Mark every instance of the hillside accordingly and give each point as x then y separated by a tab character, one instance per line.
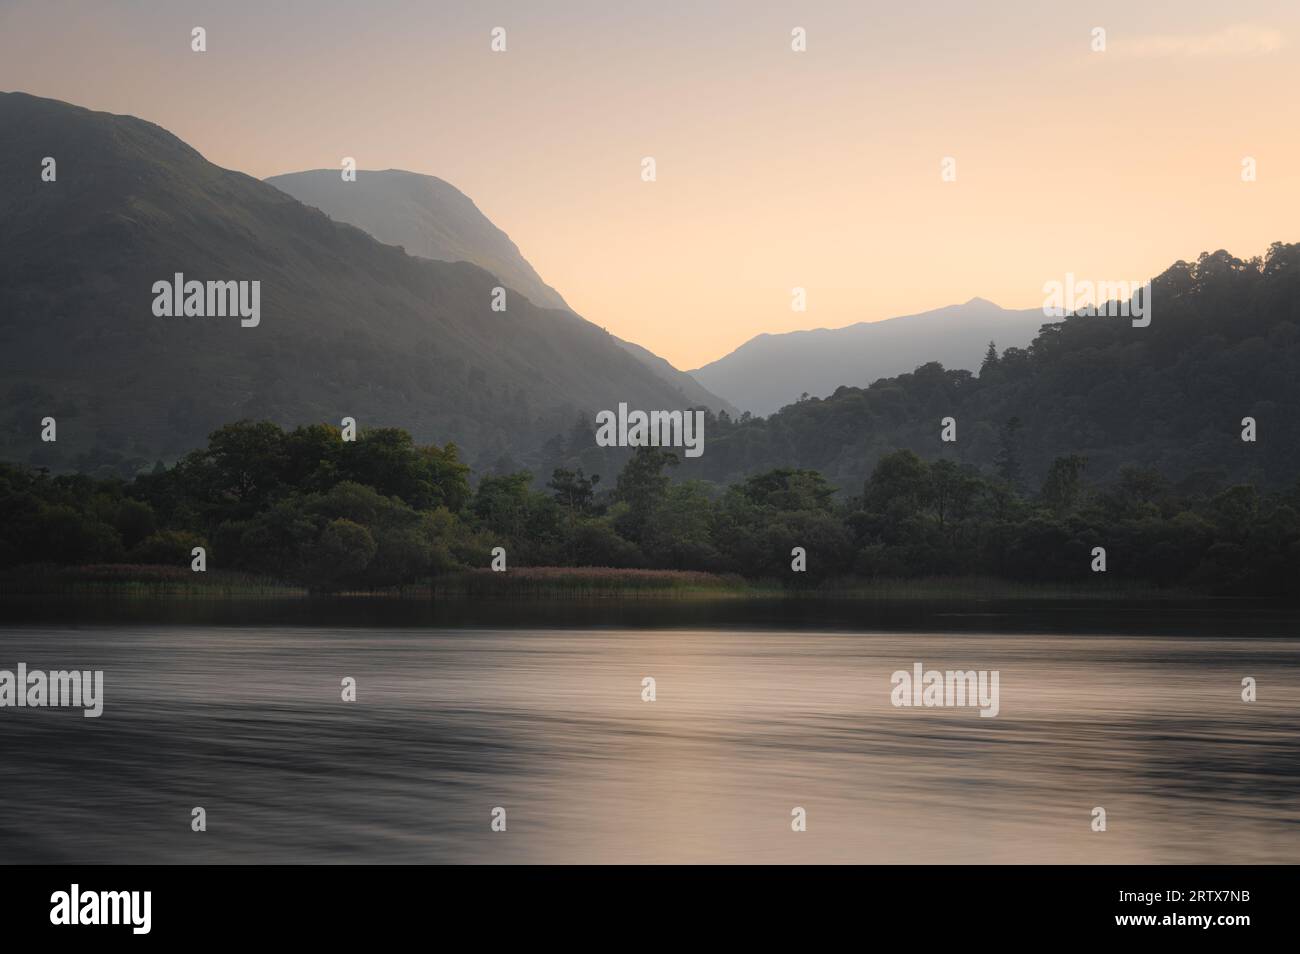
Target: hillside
349	326
423	214
1223	344
770	371
433	219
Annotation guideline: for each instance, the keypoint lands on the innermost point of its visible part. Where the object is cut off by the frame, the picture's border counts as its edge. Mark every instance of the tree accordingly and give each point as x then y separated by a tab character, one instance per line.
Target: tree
950	491
990	359
386	459
898	484
448	476
501	503
643	486
680	537
344	549
573	489
1007	460
787	489
247	462
1061	486
168	548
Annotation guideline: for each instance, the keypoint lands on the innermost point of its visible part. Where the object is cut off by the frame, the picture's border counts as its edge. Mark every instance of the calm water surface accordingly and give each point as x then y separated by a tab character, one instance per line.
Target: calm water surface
759	710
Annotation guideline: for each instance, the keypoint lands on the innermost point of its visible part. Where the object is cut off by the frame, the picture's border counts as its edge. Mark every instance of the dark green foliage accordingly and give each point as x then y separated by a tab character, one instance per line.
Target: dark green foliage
1062	484
1223	344
642	489
348	325
167	548
289	506
574	490
304	506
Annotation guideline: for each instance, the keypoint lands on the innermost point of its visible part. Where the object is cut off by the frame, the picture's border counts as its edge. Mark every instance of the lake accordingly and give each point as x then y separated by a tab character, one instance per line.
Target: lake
760	708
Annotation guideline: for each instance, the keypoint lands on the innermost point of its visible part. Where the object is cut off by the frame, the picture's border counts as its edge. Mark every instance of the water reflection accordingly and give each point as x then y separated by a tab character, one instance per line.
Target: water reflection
750	721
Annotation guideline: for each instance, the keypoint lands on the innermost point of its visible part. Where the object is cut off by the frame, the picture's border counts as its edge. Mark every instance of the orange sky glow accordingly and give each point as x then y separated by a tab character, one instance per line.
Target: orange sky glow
775	169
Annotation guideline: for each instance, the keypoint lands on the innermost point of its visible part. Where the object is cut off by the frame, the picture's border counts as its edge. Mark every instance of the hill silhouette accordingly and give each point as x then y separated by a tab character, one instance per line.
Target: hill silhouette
1223	345
349	326
433	219
423	214
769	371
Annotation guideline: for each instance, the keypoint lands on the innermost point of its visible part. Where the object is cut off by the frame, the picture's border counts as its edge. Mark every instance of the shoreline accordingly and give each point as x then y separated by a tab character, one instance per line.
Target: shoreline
582	584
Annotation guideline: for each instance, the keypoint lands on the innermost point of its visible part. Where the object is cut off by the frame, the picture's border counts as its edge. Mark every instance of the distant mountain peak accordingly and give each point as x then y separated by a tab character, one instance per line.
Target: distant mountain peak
430	218
426	215
349	325
771	370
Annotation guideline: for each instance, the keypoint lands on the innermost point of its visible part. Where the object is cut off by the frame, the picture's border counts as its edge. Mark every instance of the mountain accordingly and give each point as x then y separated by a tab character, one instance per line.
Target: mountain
423	214
770	371
694	393
348	326
1170	399
433	219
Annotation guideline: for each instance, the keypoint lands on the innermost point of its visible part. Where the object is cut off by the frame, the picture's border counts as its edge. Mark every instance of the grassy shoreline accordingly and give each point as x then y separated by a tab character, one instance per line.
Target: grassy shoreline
554	583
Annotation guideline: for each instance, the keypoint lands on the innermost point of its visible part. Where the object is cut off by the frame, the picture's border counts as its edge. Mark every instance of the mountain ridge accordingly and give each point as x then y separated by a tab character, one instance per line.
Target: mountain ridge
770	370
1167	402
430	218
395	196
350	326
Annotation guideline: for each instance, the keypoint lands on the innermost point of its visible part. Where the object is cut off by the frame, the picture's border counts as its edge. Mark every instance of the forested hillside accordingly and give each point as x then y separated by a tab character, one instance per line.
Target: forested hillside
1223	344
308	508
348	326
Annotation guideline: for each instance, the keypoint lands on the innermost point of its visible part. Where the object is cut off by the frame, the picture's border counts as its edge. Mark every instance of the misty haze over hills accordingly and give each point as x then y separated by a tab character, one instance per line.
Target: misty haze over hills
433	219
349	326
425	215
770	371
1222	352
355	327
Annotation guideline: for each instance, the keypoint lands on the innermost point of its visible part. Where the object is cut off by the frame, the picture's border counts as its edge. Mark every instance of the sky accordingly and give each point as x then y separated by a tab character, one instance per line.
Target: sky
775	169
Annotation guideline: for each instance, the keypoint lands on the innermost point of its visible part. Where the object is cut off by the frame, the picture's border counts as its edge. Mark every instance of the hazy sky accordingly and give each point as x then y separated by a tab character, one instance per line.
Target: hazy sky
775	169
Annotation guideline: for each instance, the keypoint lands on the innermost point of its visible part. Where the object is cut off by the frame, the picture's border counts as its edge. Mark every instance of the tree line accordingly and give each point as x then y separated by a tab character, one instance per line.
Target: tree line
1223	345
304	506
